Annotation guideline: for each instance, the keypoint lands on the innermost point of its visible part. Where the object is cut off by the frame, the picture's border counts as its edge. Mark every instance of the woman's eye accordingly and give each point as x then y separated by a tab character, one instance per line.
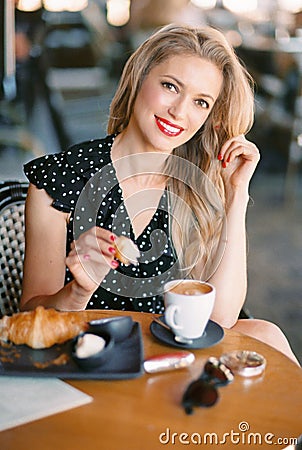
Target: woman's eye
170	86
202	104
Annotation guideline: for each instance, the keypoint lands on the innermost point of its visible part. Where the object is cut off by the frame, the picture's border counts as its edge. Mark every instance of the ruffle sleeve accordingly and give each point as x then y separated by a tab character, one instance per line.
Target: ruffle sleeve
64	175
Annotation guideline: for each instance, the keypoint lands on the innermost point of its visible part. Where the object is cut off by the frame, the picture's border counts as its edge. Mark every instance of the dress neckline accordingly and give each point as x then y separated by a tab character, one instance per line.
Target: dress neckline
133	236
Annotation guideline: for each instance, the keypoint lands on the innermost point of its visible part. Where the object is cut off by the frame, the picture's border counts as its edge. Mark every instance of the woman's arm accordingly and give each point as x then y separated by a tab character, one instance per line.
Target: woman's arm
239	159
45	258
230	278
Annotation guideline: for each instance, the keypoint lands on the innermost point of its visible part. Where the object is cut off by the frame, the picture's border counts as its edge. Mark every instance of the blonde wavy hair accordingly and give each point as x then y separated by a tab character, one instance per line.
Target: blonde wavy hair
196	234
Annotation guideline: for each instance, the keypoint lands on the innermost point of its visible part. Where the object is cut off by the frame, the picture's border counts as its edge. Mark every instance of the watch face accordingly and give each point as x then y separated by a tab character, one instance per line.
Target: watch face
244	362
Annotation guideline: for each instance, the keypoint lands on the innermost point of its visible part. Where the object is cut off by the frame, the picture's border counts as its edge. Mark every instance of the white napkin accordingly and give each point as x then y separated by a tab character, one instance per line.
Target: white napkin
24	399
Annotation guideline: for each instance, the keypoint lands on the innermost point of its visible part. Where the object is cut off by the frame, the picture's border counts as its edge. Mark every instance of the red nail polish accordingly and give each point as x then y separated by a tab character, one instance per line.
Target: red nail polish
112	238
228	160
219	157
224	164
111	250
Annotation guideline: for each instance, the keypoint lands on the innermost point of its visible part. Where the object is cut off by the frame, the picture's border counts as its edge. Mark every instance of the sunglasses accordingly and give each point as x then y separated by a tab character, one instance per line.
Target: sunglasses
203	391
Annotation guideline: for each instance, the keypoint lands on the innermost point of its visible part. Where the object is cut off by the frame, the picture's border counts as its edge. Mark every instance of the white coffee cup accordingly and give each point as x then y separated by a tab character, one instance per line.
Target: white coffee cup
188	307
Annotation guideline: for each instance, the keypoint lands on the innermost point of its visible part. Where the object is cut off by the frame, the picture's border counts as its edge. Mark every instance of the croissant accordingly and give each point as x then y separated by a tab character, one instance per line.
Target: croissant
42	328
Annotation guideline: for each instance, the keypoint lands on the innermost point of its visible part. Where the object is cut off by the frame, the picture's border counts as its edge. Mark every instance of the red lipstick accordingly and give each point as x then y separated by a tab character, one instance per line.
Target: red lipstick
168	128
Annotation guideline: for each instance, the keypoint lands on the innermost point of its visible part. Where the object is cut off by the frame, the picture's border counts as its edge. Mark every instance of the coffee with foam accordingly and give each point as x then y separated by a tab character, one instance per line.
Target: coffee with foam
188	307
190	288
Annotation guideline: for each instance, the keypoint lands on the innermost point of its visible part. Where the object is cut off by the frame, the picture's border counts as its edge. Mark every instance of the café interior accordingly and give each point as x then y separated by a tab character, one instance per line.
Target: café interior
64	66
61	61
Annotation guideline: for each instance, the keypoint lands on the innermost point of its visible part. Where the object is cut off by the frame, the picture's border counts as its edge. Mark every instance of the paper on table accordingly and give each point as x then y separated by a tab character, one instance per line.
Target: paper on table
24	399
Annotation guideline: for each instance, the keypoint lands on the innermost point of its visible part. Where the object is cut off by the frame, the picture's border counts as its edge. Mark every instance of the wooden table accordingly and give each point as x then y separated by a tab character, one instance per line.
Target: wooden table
145	413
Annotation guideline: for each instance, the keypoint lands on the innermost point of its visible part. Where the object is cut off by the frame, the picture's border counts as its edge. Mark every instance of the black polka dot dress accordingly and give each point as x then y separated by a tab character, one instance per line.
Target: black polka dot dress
82	181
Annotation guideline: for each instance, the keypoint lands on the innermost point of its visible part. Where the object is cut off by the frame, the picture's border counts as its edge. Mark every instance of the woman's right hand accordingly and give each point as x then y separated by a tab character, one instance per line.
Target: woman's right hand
91	258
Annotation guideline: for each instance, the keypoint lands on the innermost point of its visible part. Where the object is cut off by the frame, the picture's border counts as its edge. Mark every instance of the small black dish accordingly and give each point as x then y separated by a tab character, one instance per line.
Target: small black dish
98	358
213	334
118	327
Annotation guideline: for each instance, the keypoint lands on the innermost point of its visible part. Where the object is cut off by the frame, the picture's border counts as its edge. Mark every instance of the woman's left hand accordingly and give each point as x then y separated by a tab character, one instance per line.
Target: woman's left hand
239	158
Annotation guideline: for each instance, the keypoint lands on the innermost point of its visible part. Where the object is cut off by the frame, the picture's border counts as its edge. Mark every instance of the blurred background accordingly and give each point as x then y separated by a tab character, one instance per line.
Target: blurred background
60	62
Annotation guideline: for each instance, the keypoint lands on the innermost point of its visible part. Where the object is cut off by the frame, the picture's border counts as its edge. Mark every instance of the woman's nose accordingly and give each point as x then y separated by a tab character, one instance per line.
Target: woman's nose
177	109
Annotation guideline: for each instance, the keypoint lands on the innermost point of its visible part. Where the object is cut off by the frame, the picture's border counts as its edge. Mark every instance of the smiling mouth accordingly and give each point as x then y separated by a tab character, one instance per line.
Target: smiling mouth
168	128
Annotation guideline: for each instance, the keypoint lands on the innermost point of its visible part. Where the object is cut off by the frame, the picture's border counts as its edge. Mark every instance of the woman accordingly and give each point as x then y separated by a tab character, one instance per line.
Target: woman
173	175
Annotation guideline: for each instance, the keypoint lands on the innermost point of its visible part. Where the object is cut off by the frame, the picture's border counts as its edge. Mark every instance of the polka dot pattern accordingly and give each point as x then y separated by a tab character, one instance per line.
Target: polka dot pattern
82	181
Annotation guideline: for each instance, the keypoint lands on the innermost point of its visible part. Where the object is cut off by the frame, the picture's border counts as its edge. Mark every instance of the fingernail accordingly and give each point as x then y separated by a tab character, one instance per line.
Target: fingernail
86	256
111	250
219	157
114	263
229	158
112	238
224	164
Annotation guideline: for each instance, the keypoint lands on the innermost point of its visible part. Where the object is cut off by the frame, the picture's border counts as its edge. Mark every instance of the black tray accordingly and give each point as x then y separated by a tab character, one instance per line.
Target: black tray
127	361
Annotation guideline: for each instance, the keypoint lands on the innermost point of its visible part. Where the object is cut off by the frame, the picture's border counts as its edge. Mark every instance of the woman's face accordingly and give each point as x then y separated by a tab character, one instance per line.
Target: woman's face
174	101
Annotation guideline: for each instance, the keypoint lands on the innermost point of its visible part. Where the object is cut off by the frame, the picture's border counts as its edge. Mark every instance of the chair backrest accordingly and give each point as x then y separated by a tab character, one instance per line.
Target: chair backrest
12	244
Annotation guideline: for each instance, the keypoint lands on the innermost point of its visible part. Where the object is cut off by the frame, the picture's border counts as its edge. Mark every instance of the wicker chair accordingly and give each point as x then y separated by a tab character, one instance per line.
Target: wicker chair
12	200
